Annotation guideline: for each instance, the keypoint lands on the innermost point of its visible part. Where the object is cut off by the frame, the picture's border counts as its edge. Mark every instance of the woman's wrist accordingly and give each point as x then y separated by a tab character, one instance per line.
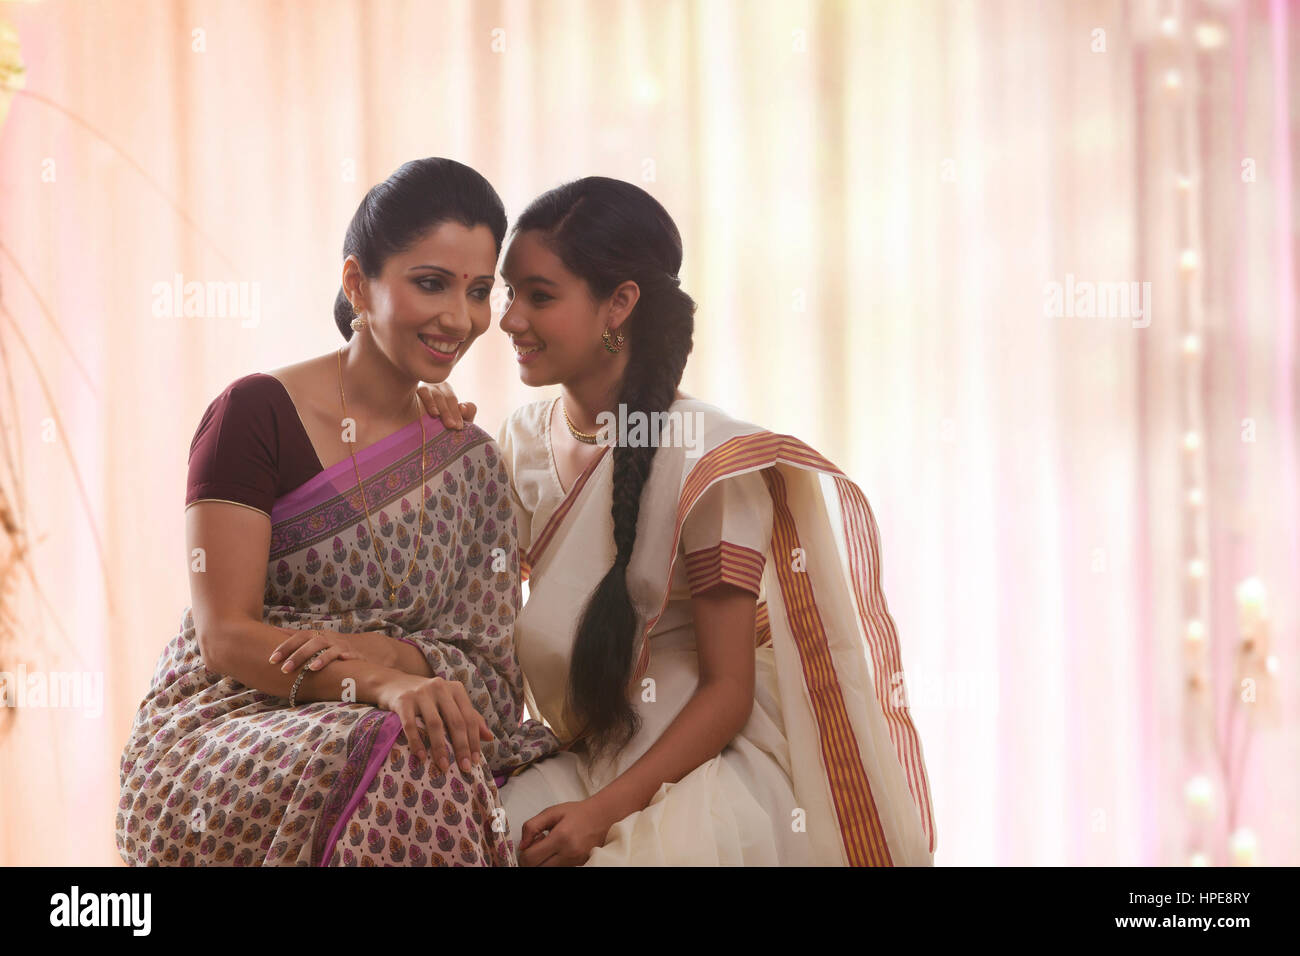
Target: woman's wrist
362	682
375	647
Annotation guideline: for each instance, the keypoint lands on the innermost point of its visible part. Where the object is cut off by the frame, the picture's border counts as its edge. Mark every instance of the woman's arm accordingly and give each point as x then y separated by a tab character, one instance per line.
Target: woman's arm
715	714
228	546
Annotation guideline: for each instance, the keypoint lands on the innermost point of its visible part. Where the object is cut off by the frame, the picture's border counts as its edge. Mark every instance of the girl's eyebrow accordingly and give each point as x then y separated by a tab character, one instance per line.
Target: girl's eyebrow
447	272
541	279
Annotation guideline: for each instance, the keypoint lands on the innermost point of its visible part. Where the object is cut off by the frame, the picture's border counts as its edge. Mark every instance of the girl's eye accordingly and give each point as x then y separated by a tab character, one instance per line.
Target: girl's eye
540	297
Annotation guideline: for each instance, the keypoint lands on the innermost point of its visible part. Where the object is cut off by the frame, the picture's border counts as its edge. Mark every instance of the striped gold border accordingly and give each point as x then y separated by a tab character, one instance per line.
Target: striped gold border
764	449
860	827
724	563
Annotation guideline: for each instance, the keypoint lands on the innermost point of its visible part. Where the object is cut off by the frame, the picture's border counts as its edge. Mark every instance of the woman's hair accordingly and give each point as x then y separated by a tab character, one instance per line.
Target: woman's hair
608	232
422	194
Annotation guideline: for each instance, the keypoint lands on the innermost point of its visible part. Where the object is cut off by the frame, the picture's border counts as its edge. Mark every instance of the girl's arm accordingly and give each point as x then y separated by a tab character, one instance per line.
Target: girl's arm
715	714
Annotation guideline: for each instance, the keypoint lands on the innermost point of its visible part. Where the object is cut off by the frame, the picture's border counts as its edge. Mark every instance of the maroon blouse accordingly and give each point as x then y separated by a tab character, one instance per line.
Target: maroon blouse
251	446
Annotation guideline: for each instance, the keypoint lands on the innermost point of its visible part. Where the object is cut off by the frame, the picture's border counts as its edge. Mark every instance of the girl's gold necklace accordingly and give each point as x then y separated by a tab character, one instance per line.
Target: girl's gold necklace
374	541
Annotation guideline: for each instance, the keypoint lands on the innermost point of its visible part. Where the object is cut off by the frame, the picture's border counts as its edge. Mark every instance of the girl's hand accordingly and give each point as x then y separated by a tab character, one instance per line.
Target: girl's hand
575	830
299	645
443	709
440	402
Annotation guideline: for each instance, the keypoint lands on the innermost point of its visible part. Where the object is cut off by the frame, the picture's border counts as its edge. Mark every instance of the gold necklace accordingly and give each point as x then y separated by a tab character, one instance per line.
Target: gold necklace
374	541
587	438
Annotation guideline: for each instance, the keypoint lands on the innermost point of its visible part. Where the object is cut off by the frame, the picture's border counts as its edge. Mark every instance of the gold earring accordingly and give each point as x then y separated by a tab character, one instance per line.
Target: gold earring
616	345
358	323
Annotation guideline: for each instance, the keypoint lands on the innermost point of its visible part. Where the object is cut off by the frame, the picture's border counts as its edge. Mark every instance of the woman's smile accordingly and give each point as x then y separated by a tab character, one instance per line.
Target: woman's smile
440	348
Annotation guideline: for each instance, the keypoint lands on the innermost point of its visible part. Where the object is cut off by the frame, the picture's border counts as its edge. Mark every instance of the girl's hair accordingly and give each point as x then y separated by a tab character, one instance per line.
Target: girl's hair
422	194
607	232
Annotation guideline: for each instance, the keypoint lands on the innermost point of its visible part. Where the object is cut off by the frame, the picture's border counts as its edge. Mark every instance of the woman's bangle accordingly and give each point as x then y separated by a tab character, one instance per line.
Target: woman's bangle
293	694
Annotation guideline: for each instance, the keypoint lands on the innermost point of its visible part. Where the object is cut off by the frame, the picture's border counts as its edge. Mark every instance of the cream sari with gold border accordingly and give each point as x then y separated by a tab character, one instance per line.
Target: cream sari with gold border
829	769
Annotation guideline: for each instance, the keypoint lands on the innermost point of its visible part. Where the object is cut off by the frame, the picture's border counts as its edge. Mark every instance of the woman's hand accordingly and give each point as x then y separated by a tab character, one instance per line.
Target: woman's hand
575	829
443	709
300	644
440	402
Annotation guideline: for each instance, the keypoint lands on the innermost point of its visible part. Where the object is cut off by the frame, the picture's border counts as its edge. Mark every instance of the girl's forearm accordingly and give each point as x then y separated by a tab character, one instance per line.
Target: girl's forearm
710	720
242	650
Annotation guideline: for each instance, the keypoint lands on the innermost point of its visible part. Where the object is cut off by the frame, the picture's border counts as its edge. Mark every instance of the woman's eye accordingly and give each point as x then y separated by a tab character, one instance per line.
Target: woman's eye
480	293
431	284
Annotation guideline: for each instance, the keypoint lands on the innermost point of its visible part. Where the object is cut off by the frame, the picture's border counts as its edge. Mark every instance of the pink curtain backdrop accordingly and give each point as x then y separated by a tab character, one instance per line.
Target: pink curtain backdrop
1081	516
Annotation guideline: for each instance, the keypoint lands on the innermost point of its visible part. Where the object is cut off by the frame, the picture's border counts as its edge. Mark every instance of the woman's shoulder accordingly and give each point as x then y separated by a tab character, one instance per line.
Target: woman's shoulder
251	391
247	399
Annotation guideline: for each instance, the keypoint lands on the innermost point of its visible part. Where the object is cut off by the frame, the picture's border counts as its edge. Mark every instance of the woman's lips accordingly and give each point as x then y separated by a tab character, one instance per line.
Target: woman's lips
442	358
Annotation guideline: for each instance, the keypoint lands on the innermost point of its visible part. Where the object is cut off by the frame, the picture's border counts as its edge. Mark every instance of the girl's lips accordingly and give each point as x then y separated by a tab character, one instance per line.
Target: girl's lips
530	352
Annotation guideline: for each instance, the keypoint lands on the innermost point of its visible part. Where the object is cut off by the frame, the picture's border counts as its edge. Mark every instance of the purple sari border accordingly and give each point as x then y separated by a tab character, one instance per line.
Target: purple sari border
366	464
389	727
327	510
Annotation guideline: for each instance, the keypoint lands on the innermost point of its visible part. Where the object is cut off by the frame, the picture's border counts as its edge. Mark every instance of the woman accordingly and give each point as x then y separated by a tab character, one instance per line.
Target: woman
702	599
330	628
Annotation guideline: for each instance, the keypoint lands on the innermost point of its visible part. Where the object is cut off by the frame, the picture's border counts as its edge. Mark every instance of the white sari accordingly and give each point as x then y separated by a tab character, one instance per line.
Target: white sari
828	770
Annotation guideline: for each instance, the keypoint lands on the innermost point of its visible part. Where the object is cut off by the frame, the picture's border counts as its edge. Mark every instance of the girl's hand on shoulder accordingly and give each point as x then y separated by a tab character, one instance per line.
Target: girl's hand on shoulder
440	402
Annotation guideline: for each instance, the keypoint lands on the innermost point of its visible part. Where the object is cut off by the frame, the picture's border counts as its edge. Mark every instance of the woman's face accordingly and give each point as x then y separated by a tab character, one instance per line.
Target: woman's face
553	320
430	301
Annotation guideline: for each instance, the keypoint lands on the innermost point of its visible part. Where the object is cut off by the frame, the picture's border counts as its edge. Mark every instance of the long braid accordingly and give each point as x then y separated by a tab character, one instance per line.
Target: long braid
607	232
610	627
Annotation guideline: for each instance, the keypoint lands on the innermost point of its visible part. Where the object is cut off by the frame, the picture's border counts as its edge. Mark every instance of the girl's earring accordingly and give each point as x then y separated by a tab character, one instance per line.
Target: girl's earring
358	323
614	346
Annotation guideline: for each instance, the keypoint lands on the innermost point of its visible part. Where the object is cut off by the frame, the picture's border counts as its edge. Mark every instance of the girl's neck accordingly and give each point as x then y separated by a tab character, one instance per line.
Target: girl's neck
587	398
585	401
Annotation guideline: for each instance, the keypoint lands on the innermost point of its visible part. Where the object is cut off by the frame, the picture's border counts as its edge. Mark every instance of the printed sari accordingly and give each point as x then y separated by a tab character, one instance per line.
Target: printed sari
216	772
828	770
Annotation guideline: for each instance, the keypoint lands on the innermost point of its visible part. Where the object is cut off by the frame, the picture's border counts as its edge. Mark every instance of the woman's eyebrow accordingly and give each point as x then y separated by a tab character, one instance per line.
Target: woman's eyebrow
448	272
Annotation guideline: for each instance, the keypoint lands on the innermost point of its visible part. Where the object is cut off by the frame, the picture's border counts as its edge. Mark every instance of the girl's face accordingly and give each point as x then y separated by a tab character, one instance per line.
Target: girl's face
430	301
554	321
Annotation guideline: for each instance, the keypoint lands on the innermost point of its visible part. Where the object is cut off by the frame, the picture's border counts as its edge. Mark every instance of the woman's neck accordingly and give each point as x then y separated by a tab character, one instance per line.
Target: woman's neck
374	388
